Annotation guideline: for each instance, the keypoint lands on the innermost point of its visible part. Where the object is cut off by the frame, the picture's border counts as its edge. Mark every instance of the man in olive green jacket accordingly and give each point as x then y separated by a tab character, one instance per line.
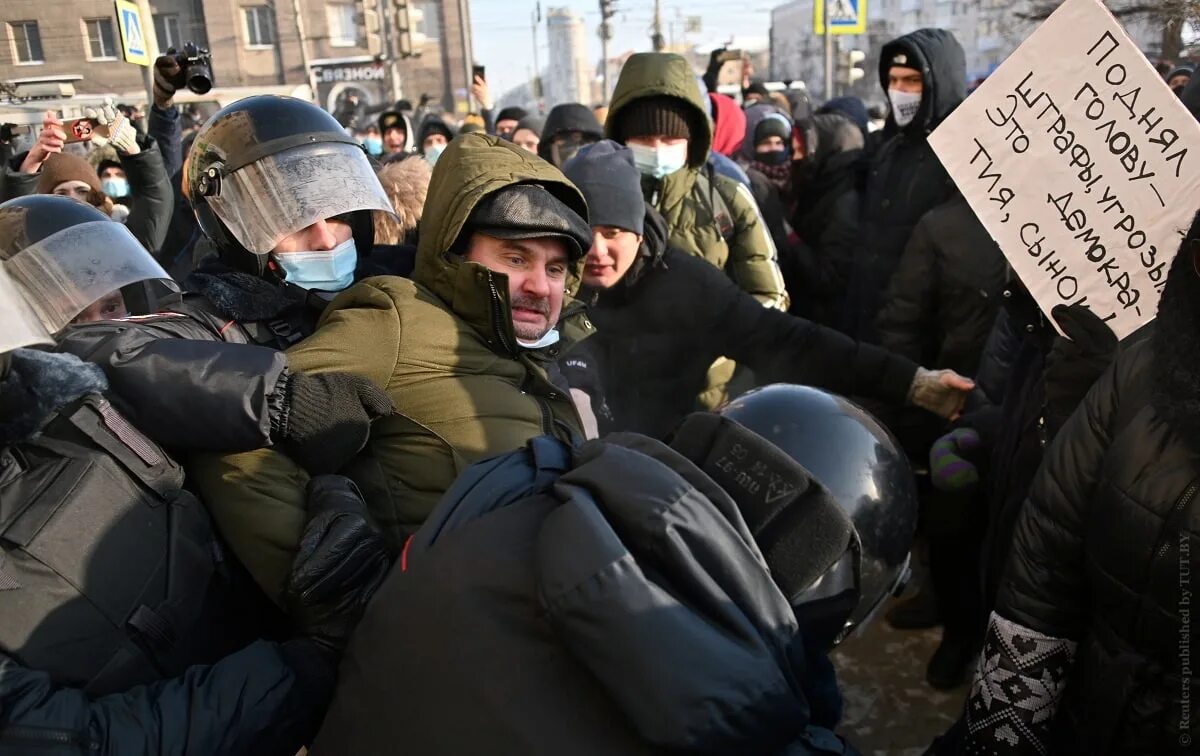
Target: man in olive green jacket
658	112
463	350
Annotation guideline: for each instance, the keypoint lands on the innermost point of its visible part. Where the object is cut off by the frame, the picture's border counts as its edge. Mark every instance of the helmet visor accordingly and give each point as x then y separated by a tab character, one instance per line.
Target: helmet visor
64	273
21	325
281	194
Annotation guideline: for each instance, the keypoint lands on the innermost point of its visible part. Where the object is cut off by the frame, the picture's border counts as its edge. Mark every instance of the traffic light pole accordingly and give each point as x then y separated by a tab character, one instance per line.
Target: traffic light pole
829	62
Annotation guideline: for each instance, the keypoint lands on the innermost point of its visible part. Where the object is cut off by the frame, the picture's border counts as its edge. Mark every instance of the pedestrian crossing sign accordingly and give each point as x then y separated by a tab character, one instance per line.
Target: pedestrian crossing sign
133	40
845	16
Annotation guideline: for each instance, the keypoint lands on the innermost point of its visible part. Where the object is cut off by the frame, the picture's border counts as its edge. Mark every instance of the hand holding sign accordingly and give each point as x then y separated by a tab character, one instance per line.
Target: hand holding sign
50	140
1069	166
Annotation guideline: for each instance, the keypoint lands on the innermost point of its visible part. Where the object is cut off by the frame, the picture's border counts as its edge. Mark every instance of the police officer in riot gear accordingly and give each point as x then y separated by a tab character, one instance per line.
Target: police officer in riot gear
285	198
861	464
110	575
638	587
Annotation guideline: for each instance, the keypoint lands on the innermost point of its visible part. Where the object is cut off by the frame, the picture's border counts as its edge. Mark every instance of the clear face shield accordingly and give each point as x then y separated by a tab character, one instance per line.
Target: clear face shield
44	286
270	198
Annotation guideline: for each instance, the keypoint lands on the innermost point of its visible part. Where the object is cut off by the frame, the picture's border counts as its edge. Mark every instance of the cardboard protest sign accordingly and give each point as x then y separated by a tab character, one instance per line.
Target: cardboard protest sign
1082	165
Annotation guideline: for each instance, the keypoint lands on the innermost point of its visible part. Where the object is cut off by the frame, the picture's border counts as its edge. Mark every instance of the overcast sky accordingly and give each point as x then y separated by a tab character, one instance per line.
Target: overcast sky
503	30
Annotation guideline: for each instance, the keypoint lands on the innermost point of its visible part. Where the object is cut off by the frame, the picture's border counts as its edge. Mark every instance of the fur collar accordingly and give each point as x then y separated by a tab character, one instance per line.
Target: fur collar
1175	368
242	296
39	384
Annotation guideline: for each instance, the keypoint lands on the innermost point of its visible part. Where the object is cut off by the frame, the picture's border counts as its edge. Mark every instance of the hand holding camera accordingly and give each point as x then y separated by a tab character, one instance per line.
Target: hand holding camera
166	73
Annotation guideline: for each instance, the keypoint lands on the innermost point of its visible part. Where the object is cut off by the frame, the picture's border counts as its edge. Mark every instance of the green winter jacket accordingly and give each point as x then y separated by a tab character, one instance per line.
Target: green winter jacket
442	346
686	198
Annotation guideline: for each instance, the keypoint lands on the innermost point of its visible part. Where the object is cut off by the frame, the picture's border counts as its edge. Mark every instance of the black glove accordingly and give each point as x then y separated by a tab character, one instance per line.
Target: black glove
341	562
1074	363
325	419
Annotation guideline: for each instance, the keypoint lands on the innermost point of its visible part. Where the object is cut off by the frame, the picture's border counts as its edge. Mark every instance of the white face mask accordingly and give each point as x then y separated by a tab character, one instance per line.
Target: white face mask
659	162
904	106
551	337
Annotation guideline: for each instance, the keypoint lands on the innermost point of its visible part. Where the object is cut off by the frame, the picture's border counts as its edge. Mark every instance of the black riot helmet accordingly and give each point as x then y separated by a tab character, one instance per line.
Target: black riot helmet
57	257
859	462
268	166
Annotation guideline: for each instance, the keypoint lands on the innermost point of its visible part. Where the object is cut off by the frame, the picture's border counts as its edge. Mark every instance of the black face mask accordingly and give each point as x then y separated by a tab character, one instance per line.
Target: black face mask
802	172
565	147
775	157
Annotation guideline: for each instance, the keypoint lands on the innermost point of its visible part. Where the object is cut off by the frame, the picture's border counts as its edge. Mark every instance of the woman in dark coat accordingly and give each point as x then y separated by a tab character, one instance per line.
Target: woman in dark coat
1089	648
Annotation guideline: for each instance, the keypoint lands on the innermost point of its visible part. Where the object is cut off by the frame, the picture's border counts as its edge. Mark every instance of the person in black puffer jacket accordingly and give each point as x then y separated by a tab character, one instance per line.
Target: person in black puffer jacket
1088	650
905	179
943	298
655	340
825	218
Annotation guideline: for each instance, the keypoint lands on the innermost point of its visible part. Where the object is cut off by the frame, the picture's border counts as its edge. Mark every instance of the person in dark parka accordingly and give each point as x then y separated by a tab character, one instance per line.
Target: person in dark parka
649	356
924	75
568	127
1090	627
825	216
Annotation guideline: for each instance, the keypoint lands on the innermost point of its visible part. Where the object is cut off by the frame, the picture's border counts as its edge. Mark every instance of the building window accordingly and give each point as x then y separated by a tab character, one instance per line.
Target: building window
343	24
26	42
429	19
101	39
166	29
260	27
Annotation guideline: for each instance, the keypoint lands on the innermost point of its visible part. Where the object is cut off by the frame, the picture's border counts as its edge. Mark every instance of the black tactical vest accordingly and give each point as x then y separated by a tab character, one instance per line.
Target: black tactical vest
106	563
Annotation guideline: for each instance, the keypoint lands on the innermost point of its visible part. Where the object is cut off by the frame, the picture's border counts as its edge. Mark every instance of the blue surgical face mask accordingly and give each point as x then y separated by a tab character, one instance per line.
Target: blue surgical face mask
115	187
550	337
374	145
659	162
327	270
433	152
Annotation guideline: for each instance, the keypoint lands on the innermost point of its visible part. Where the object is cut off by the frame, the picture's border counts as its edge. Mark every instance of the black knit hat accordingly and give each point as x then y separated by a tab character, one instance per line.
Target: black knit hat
390	119
511	114
530	211
611	184
776	125
656	116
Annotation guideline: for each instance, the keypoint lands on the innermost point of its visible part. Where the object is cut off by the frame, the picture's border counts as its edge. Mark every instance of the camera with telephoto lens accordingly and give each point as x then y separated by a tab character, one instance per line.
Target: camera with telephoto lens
195	68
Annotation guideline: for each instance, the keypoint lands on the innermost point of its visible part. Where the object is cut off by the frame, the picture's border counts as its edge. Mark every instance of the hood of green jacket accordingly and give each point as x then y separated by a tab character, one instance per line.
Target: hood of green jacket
658	75
472	167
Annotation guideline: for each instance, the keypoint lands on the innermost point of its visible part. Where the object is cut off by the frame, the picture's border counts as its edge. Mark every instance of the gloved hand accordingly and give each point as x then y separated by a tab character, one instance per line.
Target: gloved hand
325	419
942	392
121	133
165	70
1075	362
341	561
950	466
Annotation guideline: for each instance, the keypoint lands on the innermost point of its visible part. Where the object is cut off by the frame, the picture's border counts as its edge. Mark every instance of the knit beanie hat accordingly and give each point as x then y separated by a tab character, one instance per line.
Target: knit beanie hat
63	166
656	116
611	184
776	125
511	114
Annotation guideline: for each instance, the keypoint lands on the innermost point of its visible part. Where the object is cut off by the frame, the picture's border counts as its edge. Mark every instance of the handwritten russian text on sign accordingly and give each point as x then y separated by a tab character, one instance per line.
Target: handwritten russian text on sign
1082	165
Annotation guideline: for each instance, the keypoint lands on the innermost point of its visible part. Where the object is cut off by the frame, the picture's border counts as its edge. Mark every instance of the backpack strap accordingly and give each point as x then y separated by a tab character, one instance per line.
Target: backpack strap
717	206
139	456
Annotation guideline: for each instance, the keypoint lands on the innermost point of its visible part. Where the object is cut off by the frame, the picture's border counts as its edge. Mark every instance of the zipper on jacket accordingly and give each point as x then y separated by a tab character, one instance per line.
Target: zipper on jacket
547	416
498	316
32	736
1180	505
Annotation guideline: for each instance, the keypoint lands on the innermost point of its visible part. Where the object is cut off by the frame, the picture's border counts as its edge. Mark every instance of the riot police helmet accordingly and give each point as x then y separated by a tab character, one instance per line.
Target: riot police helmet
862	465
59	256
268	166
